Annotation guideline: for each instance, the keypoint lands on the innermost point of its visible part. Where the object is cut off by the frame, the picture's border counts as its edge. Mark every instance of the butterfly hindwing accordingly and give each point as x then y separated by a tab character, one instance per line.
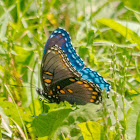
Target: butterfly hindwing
79	91
95	77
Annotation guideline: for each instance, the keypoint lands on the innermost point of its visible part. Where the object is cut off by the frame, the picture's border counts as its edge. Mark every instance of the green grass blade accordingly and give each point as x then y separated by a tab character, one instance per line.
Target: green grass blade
25	131
138	128
32	95
124	31
132	118
0	128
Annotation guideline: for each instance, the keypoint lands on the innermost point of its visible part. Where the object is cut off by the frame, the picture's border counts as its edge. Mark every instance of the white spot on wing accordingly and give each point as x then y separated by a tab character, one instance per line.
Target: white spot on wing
73	56
51	36
66	45
77	61
69	50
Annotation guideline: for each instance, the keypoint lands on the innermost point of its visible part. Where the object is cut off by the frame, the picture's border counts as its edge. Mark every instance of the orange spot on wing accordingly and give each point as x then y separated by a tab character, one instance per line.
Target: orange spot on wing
86	85
69	90
73	80
91	100
64	65
94	97
60	56
58	87
60	35
51	92
48	73
57	52
90	89
62	91
79	82
47	80
95	93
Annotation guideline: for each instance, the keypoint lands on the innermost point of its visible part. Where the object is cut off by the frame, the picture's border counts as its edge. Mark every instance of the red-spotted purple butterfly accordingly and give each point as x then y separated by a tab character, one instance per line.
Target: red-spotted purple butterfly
64	75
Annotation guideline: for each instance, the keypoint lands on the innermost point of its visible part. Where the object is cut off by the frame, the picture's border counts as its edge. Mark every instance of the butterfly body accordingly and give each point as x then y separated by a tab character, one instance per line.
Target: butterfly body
64	75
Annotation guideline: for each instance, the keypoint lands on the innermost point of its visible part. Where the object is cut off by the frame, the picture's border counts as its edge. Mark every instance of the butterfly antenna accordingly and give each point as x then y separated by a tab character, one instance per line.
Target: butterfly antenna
38	90
33	86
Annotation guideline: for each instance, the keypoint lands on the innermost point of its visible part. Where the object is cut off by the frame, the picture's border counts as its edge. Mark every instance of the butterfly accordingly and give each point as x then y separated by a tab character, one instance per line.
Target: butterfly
64	76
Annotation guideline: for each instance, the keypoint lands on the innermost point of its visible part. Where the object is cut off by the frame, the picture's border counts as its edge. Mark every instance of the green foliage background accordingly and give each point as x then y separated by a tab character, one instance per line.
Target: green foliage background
106	35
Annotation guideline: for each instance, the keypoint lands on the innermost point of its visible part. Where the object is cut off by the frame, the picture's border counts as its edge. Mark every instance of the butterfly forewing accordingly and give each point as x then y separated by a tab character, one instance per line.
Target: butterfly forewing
55	67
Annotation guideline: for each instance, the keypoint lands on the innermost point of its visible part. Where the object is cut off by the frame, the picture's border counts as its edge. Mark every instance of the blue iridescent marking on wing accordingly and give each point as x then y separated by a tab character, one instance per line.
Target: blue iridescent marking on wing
62	39
94	77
